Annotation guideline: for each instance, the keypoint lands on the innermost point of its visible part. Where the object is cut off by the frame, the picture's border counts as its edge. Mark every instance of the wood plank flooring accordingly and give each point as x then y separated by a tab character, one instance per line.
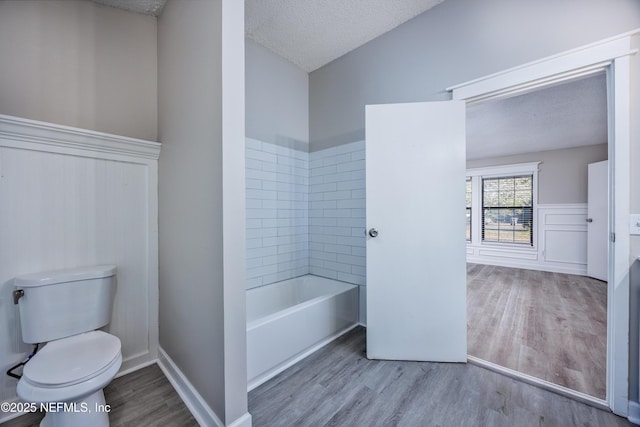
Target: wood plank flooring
143	398
549	325
339	386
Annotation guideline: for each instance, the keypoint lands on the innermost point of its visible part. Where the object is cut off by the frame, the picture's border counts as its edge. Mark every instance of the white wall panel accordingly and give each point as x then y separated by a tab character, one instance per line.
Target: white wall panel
561	243
568	246
62	207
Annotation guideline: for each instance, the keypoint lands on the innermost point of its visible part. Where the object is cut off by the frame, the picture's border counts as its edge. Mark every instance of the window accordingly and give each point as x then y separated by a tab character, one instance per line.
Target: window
468	209
507	209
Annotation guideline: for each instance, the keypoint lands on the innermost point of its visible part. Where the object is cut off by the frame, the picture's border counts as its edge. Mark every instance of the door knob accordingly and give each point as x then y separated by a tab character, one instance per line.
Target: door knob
589	219
373	232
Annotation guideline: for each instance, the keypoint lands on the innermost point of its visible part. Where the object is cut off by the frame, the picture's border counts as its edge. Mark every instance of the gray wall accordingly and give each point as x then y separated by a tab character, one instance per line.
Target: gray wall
77	63
563	173
202	315
277	98
454	42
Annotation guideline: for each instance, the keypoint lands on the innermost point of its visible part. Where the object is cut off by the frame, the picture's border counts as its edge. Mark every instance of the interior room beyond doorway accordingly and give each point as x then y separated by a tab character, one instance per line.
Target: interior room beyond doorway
531	306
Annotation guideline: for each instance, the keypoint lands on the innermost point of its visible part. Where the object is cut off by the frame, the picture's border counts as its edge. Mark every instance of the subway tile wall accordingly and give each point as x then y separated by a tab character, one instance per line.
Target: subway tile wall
305	213
277	191
337	213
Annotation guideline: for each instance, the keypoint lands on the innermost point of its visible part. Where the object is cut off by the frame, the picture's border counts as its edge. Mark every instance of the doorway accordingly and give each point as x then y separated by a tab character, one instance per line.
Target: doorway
611	56
531	308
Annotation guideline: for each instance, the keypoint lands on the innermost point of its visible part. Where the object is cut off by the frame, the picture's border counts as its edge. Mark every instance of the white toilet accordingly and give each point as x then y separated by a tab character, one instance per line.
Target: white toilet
64	308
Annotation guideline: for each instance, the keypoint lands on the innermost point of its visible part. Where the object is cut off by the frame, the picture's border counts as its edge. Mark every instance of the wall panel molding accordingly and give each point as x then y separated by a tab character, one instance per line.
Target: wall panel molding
71	197
561	243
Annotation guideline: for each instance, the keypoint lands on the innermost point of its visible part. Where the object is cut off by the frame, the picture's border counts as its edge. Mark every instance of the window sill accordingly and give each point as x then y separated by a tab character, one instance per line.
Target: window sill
506	246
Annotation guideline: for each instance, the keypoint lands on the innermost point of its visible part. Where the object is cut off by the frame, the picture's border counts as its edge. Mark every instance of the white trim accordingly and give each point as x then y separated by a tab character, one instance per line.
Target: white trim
476	175
634	412
204	415
618	78
537	382
612	56
244	421
553	69
65	139
7	416
142	365
504	170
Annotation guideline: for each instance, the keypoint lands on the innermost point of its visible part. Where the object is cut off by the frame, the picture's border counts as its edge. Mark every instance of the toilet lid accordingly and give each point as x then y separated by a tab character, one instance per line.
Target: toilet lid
69	360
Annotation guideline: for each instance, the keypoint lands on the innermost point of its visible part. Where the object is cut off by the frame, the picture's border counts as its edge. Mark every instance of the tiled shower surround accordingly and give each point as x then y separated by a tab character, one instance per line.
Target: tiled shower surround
337	213
305	213
277	182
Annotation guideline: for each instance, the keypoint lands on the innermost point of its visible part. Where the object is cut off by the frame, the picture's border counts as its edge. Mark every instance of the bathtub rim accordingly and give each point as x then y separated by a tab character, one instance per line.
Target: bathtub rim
300	306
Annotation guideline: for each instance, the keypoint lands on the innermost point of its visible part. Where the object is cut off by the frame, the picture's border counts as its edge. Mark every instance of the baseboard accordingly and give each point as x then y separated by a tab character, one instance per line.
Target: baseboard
535	265
7	416
287	364
129	368
634	413
203	414
243	421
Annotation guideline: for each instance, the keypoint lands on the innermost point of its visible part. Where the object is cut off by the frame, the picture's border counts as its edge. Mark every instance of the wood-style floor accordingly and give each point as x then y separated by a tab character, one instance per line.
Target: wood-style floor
339	386
548	325
143	398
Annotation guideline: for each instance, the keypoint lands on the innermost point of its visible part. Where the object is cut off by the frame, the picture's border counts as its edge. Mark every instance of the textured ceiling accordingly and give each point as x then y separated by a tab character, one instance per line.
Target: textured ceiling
145	7
569	115
312	33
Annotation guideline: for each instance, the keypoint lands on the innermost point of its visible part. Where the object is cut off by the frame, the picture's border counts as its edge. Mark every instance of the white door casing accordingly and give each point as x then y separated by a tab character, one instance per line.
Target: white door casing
612	56
598	220
416	266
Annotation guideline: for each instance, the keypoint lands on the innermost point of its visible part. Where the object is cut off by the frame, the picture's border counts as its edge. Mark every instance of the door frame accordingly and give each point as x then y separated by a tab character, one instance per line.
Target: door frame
611	56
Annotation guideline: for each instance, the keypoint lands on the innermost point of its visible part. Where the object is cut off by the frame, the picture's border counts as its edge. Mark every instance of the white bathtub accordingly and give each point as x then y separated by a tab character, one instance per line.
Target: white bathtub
287	321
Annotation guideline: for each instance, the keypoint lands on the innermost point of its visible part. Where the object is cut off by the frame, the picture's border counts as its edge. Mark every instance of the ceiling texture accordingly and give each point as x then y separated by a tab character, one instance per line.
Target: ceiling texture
569	115
312	33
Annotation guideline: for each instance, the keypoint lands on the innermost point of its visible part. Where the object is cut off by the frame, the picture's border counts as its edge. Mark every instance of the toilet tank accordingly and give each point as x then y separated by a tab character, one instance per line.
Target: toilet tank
58	304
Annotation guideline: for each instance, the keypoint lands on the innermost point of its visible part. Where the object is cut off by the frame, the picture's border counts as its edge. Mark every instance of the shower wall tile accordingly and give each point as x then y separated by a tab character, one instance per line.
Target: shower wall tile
277	189
337	213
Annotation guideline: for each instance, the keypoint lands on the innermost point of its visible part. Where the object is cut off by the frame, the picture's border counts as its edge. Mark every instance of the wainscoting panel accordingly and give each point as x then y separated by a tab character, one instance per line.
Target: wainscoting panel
561	244
565	246
563	237
69	198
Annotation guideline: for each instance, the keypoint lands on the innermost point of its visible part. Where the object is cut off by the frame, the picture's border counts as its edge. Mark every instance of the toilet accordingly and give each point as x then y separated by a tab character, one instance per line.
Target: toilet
64	309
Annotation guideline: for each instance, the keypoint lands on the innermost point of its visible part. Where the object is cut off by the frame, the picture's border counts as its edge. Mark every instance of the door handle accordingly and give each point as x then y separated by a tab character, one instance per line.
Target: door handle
589	219
373	232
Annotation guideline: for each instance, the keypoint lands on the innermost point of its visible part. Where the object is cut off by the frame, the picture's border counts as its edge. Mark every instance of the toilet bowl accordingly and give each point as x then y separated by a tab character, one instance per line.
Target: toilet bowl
67	375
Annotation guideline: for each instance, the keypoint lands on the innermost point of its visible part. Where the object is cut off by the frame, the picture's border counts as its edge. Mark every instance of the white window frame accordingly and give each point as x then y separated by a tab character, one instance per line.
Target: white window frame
476	175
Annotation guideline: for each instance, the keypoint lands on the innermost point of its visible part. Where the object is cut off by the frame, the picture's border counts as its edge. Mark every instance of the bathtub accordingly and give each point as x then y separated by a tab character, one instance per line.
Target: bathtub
288	320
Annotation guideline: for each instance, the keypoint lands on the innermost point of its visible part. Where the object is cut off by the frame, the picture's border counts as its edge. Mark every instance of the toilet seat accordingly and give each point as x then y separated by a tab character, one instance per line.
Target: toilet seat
71	360
70	368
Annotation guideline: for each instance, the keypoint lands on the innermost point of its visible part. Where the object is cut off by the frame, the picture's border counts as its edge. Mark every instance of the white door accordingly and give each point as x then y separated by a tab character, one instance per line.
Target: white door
416	266
598	220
